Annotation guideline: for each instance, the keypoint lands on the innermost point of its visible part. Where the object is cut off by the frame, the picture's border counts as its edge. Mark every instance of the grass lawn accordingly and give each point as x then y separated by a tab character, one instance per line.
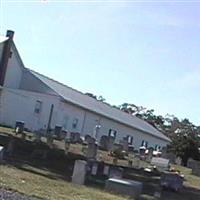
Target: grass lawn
190	180
42	187
48	179
44	184
6	130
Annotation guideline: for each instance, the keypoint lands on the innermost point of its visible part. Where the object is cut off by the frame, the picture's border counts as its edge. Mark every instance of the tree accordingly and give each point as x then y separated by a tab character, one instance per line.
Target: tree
101	98
155	120
185	135
185	141
131	108
91	95
98	98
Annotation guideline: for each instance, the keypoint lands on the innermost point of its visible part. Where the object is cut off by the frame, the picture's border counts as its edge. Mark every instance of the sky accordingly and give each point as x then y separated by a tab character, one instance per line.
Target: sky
141	52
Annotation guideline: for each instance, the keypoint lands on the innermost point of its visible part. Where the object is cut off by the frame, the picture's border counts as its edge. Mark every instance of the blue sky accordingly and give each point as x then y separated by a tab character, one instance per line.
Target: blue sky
145	53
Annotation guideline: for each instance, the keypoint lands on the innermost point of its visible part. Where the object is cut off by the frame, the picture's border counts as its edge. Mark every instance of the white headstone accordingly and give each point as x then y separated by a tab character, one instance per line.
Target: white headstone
161	163
1	153
124	186
79	172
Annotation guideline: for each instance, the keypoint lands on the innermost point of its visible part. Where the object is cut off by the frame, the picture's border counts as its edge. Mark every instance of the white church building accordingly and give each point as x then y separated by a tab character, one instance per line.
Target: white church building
28	96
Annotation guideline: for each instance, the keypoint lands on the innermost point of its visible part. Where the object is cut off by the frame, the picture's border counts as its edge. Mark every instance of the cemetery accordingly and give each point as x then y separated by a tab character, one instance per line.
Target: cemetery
105	166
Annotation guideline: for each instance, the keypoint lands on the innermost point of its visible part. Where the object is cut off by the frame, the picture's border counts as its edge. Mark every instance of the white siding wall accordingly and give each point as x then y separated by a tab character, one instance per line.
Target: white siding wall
122	130
14	72
67	113
20	105
89	120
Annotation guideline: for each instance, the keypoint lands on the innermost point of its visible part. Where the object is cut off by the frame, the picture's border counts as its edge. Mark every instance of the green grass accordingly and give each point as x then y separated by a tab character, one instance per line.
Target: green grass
6	130
45	188
190	180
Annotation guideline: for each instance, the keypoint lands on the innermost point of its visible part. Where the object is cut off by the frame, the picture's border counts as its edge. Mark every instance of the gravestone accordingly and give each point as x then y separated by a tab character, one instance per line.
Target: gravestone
136	162
58	132
130	163
106	170
111	141
195	166
161	164
124	187
171	156
142	150
157	153
124	143
115	172
150	154
88	138
97	169
38	137
171	180
158	193
104	142
115	161
79	172
2	149
75	137
50	140
19	127
67	141
178	161
84	147
94	169
118	151
10	147
164	152
190	163
91	151
131	148
39	154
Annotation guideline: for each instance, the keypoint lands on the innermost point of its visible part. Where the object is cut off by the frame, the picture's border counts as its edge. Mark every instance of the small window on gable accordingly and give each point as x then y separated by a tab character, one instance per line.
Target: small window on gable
75	123
130	139
112	133
38	107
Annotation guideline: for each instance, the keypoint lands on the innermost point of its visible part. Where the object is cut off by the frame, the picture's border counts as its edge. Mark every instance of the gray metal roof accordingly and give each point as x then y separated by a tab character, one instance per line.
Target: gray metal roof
84	101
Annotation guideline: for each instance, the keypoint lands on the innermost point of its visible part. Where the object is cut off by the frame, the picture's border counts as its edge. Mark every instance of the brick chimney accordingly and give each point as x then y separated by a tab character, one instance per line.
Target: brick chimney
5	56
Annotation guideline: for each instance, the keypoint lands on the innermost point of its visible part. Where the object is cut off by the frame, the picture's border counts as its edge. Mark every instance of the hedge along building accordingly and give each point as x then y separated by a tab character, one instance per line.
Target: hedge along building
28	96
